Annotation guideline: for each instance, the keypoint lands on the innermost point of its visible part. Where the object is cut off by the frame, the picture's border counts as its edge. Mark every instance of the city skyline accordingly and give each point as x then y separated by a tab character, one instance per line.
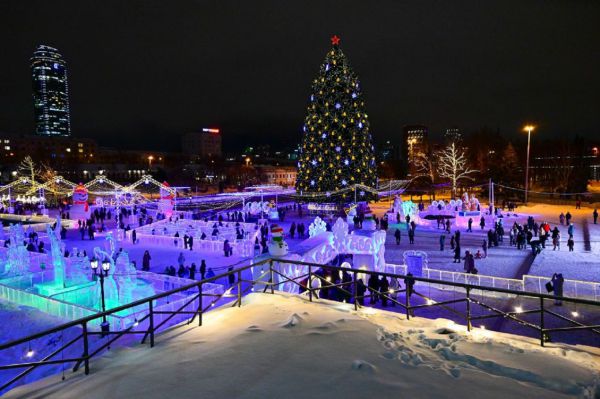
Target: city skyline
136	82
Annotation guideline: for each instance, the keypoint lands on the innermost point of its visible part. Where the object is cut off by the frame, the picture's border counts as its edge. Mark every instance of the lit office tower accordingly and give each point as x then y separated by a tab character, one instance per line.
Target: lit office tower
453	135
50	92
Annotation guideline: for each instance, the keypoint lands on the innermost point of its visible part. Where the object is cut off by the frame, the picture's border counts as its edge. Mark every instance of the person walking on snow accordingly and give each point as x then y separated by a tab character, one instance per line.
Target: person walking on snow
571	230
397	235
557	286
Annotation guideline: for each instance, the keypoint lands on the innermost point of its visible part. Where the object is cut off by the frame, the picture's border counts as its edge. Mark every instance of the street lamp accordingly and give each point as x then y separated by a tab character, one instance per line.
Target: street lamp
101	274
528	129
150	159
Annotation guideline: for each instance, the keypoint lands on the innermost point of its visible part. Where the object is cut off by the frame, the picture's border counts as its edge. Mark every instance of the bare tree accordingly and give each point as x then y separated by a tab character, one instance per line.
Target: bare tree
28	168
425	164
452	165
49	176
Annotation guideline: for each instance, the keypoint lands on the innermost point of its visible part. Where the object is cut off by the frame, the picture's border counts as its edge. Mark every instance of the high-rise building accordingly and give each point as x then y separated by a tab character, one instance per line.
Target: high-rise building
415	140
50	92
453	135
202	145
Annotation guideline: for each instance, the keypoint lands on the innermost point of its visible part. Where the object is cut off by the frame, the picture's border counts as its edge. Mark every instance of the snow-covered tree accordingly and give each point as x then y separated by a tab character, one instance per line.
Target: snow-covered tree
452	165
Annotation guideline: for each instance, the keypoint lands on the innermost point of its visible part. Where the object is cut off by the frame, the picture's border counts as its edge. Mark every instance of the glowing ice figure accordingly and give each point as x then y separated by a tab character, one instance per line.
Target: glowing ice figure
17	262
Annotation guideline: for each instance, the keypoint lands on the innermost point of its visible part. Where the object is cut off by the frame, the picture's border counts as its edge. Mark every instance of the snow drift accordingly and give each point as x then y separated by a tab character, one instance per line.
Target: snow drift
282	346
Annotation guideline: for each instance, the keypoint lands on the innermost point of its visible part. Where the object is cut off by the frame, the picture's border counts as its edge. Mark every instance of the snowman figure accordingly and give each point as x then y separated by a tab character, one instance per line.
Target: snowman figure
277	246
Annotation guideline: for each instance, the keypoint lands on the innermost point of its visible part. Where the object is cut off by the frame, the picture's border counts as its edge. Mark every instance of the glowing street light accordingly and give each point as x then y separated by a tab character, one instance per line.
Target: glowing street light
150	159
528	129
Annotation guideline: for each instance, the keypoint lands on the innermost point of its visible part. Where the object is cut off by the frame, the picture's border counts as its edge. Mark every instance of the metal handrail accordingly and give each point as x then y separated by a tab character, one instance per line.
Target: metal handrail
297	280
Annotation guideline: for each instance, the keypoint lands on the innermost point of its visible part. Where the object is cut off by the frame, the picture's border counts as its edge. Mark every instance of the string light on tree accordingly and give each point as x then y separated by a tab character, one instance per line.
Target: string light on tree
337	147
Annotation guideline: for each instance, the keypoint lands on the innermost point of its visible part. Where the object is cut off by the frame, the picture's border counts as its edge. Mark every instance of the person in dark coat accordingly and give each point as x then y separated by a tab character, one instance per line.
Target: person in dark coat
361	288
570	243
384	288
442	241
398	236
191	242
202	269
557	286
456	254
231	276
373	288
146	261
134	236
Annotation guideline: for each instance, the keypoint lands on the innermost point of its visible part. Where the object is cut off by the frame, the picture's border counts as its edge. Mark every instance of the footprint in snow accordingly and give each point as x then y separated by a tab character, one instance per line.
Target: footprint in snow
361	365
293	321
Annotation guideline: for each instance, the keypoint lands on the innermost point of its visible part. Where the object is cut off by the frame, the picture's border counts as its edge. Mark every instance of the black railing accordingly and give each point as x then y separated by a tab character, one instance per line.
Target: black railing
313	280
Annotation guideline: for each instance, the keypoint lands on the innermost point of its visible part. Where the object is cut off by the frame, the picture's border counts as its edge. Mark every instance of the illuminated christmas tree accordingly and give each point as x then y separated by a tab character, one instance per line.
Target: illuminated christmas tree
337	153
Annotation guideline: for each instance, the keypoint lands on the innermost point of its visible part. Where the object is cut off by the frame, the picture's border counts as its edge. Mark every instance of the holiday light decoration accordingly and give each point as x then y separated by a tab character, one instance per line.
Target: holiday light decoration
337	151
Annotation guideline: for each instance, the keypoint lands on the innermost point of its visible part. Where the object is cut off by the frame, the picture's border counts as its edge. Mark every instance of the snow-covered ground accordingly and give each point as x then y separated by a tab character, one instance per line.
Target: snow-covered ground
279	346
503	261
506	261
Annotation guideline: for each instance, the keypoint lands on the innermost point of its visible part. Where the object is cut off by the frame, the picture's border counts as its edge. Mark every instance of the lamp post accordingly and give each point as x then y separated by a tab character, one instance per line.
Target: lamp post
528	129
101	274
150	159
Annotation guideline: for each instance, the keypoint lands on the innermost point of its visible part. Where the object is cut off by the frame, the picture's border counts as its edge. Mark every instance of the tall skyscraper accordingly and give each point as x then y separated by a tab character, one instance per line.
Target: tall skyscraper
50	92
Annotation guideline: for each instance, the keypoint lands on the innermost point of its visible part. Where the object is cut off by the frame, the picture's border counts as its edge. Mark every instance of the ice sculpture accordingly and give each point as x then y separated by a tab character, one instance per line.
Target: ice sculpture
17	262
318	226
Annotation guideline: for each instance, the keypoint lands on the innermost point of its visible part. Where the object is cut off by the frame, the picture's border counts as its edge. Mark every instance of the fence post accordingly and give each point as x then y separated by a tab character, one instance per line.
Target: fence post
239	293
200	305
309	284
469	309
542	321
407	301
355	291
151	323
271	279
86	359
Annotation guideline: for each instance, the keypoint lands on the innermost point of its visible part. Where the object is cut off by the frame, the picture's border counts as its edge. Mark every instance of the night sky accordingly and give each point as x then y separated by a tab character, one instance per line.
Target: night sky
141	73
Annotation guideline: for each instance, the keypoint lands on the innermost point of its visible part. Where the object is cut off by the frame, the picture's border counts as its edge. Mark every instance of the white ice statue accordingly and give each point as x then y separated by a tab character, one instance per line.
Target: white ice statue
317	227
18	262
465	201
397	206
351	210
340	235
